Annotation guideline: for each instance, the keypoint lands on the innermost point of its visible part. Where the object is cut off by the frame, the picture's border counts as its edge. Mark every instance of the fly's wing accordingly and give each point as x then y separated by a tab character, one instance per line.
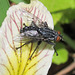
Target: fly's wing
29	18
28	36
22	39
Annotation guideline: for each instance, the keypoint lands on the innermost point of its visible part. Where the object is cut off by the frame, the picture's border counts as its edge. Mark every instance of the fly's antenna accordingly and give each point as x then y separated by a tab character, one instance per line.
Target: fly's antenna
24	24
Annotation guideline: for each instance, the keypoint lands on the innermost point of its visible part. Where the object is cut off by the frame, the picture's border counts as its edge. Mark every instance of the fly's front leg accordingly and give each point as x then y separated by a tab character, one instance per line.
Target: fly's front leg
55	51
52	43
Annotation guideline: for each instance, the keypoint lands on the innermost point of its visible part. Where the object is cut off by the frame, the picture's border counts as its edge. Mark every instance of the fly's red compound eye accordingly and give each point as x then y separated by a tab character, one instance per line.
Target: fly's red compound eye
58	32
58	38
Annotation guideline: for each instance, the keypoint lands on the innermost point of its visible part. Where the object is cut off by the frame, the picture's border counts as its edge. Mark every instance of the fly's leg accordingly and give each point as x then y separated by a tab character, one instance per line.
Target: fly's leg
33	24
45	24
39	42
55	51
25	44
51	43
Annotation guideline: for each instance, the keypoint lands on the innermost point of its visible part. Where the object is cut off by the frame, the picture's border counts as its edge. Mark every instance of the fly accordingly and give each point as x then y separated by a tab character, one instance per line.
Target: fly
38	31
33	33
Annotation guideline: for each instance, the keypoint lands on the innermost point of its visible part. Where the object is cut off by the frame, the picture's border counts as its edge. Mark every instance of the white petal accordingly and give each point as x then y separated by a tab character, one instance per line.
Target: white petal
16	62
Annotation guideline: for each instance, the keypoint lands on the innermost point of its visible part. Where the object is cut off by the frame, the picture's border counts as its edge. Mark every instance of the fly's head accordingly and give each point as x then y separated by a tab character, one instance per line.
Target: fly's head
58	37
22	30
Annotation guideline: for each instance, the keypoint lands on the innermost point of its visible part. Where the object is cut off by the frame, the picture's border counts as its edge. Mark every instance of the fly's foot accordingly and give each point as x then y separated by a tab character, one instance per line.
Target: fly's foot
56	53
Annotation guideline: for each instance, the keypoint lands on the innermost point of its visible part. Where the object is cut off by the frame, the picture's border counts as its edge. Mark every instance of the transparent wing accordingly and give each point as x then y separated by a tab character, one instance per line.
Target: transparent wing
30	17
22	39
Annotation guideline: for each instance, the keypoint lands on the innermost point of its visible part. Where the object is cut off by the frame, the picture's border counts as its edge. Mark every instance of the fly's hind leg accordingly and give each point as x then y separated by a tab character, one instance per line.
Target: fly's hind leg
39	42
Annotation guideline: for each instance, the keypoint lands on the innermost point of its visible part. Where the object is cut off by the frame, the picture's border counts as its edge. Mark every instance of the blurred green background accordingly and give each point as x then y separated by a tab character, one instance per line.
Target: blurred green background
63	13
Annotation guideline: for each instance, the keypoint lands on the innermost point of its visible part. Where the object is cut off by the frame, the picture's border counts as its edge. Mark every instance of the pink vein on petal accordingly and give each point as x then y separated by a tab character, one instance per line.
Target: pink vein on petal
3	46
46	54
10	28
26	9
36	62
42	17
45	18
21	22
27	60
34	11
31	9
34	14
20	60
17	15
31	49
38	69
5	34
14	21
39	61
38	13
6	68
20	48
20	19
40	51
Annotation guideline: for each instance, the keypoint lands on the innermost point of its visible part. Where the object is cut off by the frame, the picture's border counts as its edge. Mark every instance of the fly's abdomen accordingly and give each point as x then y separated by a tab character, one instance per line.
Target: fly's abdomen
31	33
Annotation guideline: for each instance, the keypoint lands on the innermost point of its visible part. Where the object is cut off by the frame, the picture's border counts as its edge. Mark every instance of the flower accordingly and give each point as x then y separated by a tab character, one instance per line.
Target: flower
16	62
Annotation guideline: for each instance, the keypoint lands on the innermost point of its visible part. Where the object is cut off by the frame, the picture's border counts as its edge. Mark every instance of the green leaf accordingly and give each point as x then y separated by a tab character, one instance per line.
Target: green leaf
57	5
62	56
64	16
59	45
62	10
4	5
17	1
69	41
